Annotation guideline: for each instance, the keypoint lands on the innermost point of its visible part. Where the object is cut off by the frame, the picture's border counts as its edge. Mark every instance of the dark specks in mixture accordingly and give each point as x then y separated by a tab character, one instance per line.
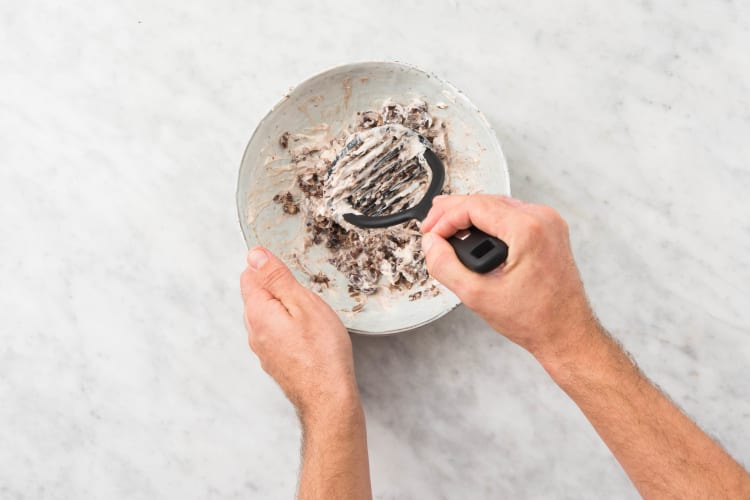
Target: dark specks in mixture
370	119
371	260
320	278
286	200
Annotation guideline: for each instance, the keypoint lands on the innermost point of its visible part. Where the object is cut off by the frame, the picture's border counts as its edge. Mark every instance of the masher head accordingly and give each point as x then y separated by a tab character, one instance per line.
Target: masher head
379	175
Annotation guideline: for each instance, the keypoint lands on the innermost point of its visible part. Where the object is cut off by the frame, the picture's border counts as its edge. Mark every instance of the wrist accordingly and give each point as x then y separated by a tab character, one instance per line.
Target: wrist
580	349
339	406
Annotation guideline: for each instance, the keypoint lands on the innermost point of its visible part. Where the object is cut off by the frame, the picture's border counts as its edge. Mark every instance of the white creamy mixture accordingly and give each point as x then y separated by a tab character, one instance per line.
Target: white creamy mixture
379	171
373	260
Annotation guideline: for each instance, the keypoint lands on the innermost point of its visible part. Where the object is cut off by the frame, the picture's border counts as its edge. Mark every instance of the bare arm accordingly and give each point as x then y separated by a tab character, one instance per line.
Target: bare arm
334	454
304	346
663	452
537	300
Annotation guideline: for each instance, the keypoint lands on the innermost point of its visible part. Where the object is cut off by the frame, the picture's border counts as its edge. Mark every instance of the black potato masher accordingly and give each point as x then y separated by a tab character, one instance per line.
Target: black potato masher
376	172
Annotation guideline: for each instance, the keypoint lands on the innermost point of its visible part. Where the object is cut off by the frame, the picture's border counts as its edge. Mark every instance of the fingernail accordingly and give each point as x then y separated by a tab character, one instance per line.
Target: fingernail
257	258
427	241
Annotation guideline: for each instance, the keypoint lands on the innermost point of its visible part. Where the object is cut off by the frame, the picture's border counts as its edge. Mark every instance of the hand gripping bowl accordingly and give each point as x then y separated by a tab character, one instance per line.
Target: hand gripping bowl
476	164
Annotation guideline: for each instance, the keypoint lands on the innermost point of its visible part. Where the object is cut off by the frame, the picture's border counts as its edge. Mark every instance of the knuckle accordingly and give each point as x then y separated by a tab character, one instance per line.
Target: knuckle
258	339
553	215
534	226
560	221
556	221
563	225
437	200
255	339
475	202
550	214
275	277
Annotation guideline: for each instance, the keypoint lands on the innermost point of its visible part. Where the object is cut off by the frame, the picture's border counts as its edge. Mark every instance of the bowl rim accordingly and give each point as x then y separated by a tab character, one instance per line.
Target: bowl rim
352	65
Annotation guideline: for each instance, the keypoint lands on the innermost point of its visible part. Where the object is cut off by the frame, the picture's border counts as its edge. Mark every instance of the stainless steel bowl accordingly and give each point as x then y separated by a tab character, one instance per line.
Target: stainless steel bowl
333	97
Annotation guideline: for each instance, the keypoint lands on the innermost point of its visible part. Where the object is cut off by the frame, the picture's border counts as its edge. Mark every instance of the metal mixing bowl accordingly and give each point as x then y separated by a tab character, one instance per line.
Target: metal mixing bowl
477	165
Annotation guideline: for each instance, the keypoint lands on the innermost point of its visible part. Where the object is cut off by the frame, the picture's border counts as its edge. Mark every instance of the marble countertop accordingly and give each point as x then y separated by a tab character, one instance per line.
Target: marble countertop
124	368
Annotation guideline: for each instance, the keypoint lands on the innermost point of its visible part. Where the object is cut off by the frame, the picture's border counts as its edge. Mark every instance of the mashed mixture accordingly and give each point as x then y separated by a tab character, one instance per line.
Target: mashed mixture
371	259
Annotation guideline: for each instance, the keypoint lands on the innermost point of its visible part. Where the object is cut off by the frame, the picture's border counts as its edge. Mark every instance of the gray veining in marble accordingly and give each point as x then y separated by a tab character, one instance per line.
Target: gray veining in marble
124	370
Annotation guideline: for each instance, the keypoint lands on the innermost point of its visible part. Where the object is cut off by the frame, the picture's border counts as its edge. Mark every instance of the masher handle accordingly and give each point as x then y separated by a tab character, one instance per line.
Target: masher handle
477	250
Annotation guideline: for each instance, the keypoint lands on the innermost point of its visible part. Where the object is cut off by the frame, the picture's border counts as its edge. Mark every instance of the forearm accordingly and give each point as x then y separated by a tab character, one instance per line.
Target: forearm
334	453
663	452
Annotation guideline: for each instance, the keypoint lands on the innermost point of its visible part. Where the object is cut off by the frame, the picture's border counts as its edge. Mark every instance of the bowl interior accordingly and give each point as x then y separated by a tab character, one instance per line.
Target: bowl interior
333	98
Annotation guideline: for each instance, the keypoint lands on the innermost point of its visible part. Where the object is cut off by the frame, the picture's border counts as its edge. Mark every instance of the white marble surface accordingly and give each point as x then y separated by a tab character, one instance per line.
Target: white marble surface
124	371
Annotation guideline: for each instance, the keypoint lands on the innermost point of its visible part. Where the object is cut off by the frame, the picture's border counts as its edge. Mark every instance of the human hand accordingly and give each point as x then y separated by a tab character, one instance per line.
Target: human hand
536	298
298	338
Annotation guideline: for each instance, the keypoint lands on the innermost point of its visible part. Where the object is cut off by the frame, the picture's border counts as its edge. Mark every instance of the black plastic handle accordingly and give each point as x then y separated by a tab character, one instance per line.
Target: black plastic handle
477	250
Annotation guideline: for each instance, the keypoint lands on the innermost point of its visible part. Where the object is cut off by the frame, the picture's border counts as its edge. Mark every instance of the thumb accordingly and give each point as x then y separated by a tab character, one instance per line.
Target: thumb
444	266
269	273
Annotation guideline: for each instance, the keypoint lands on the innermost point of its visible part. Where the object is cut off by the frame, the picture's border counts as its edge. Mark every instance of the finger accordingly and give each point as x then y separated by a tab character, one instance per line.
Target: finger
264	314
268	273
444	266
447	199
489	213
259	302
446	203
510	201
247	286
440	204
